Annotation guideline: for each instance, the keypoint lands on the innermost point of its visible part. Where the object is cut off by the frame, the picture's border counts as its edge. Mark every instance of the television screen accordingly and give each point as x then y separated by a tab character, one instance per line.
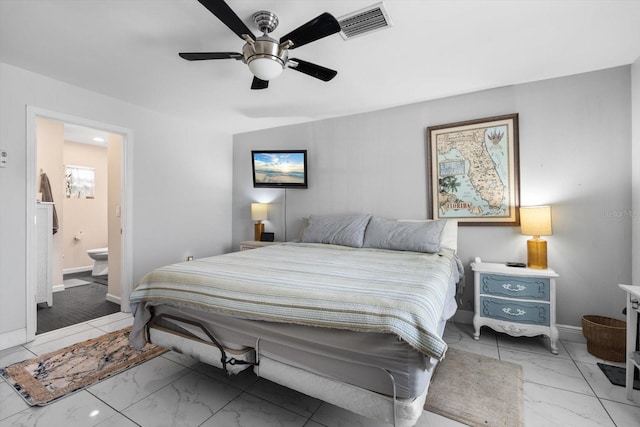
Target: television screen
280	168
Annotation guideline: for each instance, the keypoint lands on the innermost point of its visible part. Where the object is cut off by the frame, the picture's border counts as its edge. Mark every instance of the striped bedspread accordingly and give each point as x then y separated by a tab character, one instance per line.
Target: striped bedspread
365	290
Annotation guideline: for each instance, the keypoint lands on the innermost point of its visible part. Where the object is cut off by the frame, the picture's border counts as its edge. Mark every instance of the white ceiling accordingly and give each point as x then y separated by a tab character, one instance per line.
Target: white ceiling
435	48
85	135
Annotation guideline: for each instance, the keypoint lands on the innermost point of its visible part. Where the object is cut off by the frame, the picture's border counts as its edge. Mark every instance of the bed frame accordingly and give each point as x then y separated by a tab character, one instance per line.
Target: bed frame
207	349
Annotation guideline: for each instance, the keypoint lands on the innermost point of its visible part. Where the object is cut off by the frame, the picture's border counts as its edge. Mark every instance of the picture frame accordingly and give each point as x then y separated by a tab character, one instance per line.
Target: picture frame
473	171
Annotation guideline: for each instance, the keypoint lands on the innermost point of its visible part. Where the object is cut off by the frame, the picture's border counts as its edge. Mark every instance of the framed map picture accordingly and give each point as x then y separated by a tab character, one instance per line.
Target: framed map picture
474	172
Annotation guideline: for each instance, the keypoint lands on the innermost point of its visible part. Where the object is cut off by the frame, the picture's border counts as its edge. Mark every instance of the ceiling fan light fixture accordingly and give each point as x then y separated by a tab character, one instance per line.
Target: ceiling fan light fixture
265	57
265	67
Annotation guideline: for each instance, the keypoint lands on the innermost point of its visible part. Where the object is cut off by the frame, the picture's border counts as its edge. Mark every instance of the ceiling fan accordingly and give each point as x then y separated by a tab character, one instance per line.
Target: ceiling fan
265	56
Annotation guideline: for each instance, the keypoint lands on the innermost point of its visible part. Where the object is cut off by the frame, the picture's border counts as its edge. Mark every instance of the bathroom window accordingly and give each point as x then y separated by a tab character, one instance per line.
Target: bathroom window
80	182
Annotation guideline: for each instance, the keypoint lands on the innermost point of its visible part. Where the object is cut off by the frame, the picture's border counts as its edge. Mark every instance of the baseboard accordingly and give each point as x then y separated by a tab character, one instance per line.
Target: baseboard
77	269
566	332
13	338
571	333
58	288
114	299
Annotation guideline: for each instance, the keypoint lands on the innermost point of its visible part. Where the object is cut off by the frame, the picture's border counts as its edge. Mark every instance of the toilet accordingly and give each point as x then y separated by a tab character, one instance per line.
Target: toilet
101	263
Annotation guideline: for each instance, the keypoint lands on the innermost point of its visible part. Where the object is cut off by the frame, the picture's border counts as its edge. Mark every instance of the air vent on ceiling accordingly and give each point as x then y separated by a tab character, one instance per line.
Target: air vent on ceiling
372	18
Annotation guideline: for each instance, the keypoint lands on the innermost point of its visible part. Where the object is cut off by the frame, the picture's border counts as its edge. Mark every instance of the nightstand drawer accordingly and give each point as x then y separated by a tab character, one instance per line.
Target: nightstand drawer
531	313
536	288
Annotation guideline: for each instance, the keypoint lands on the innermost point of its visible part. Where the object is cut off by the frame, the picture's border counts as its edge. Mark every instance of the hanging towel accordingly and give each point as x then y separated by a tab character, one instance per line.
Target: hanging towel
45	189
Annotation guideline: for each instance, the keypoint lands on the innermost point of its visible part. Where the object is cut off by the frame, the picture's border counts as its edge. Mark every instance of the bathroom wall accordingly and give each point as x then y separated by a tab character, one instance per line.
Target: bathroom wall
114	153
50	141
85	219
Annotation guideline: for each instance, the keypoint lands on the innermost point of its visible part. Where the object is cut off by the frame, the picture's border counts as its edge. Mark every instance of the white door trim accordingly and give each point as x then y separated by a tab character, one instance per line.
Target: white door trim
126	196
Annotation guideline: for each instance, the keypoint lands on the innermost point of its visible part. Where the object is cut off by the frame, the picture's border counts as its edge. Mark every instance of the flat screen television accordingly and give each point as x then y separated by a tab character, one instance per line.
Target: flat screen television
279	168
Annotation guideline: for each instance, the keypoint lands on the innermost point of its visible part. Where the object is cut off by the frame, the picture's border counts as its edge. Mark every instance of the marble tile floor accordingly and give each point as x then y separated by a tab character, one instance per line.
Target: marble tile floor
173	390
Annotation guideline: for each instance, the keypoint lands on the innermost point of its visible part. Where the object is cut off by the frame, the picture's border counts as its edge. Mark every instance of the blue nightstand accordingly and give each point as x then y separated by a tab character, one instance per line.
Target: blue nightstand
516	301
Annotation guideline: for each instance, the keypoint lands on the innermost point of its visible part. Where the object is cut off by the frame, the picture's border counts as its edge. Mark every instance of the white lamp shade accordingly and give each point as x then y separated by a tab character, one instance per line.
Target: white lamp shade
265	68
535	221
259	211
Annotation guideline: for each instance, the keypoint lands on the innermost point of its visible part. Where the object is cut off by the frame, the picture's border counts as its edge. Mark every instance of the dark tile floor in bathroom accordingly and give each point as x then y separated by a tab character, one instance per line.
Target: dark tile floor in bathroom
76	304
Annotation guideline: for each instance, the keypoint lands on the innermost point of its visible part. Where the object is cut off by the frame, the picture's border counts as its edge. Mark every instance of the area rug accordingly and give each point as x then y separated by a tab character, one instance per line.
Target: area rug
617	375
477	390
43	380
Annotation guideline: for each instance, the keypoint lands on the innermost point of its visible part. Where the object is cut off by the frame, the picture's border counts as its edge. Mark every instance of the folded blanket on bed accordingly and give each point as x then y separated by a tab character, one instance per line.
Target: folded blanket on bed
360	289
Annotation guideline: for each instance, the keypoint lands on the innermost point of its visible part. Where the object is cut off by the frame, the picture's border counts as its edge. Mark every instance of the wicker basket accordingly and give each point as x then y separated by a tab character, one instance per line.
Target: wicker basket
606	337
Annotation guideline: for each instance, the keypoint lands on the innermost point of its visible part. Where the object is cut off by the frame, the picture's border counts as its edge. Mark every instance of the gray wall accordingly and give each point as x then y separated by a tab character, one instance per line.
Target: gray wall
635	126
575	154
181	183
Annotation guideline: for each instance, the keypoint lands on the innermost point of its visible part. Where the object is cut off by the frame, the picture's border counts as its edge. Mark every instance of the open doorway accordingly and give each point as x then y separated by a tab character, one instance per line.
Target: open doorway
78	179
85	254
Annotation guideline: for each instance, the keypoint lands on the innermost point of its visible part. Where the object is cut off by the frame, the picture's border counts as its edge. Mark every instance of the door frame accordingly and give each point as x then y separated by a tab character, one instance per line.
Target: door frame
126	198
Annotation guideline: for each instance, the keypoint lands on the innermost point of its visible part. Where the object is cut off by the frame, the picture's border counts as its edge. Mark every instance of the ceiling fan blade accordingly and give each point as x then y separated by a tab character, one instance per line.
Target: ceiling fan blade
228	17
313	70
202	56
259	84
321	26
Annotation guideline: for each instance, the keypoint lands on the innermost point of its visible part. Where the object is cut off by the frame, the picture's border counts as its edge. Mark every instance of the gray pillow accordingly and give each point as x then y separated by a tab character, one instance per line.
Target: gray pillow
345	230
404	236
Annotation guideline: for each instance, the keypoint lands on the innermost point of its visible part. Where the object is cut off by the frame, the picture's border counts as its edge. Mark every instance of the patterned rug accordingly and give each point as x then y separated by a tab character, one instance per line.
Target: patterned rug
477	390
54	375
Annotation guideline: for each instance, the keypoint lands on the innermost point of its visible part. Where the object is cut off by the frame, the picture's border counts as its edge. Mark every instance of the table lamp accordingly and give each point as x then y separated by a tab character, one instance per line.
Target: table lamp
536	221
258	213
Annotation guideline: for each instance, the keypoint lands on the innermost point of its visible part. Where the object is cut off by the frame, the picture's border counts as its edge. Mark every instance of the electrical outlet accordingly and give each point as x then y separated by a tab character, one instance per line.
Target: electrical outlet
3	158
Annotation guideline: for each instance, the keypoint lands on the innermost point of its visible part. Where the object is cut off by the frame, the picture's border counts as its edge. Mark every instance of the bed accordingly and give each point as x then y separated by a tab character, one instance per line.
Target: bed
353	314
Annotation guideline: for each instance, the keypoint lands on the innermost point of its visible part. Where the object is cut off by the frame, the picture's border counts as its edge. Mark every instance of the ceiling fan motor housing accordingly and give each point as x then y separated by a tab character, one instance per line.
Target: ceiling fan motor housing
267	48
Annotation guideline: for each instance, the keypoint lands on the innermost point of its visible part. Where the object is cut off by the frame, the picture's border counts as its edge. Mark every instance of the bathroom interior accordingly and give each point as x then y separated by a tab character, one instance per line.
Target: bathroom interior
81	169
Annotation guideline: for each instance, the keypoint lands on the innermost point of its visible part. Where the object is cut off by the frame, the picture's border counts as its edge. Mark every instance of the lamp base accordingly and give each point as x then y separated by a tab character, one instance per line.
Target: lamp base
537	253
258	230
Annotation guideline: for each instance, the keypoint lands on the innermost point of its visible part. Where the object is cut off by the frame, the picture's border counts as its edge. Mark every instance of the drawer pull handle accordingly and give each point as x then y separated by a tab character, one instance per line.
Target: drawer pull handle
518	288
519	312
